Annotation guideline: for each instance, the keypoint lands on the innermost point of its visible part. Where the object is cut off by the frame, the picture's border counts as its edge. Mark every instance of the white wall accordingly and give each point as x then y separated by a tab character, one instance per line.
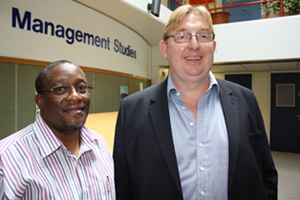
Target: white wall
157	61
258	40
268	39
21	43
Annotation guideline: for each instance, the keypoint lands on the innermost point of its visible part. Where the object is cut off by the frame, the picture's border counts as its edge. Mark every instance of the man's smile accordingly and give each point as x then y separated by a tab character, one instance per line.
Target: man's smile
193	57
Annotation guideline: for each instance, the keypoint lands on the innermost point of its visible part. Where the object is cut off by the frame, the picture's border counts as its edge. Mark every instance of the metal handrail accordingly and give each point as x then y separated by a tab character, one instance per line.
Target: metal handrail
238	5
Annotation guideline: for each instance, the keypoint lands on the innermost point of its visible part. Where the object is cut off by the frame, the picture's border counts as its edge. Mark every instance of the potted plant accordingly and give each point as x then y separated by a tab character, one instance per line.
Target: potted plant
292	6
221	16
273	9
218	17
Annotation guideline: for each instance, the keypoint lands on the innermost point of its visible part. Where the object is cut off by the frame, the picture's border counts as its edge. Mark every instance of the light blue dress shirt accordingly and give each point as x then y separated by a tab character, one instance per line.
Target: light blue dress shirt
201	146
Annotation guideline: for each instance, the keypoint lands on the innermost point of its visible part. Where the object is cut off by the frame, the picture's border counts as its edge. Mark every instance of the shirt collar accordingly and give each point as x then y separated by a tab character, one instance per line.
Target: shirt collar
213	82
171	85
49	143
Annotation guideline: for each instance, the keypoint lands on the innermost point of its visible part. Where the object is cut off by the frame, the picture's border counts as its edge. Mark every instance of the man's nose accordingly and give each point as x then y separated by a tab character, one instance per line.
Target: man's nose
194	43
73	93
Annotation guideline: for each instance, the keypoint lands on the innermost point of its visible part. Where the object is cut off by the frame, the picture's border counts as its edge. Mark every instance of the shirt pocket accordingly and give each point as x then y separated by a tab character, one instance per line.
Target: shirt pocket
110	188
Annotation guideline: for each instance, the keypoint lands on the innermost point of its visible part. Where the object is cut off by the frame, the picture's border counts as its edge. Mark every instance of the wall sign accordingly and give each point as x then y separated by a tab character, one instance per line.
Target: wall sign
70	35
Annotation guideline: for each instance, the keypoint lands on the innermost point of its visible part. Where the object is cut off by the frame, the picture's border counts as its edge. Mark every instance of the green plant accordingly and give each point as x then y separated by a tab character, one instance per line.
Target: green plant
271	7
290	6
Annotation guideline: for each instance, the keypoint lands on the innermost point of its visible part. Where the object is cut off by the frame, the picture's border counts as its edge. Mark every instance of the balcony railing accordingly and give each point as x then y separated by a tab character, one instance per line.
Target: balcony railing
237	5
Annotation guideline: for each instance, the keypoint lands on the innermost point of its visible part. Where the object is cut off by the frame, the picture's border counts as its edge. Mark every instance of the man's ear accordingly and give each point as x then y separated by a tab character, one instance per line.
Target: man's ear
38	99
215	44
163	48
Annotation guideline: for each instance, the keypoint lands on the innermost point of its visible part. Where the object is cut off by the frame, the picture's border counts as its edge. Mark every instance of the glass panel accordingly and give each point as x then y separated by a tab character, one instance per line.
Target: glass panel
285	95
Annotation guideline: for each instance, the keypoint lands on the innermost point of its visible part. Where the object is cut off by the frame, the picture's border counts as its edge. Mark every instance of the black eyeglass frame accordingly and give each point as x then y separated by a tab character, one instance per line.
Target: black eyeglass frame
213	36
89	90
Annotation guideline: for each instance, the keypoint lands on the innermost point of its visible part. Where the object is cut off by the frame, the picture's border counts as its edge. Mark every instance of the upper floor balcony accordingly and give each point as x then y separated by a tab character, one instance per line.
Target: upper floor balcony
244	41
225	11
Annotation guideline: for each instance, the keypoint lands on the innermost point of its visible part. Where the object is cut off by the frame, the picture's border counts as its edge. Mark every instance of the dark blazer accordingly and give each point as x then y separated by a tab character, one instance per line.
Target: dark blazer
144	155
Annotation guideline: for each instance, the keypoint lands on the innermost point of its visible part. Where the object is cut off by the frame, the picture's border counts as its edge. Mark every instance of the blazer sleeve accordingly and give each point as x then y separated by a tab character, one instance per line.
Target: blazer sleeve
252	173
268	170
122	175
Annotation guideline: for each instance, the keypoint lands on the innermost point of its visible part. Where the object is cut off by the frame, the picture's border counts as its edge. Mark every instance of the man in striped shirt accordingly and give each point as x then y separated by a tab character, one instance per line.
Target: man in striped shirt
57	157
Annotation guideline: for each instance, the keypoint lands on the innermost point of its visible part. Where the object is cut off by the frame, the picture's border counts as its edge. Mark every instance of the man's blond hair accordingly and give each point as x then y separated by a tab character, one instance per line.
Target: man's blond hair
178	15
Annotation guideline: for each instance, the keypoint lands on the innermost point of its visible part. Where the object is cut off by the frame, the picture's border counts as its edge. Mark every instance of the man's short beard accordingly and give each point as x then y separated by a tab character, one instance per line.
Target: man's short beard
73	127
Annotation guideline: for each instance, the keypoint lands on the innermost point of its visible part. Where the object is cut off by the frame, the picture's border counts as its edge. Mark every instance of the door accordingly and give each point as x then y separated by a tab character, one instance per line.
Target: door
285	112
242	13
242	79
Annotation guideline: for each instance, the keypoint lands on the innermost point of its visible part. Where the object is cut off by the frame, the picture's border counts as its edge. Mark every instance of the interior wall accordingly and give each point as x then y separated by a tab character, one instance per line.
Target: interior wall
219	75
163	73
239	42
158	61
261	88
18	108
80	34
46	31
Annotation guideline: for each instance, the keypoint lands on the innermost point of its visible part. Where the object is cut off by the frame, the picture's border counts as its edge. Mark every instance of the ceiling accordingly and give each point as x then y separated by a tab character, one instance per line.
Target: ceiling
150	29
258	66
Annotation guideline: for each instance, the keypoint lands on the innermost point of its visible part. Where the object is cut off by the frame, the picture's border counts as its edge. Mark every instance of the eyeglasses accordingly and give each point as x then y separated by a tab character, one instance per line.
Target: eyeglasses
182	37
64	91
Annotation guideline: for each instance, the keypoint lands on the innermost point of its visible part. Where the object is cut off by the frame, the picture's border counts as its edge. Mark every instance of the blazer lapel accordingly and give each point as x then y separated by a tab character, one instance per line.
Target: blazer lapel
159	112
230	109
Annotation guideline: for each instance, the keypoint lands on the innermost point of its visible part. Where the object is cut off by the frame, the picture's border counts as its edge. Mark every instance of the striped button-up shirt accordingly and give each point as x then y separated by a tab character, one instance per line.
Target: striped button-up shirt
34	164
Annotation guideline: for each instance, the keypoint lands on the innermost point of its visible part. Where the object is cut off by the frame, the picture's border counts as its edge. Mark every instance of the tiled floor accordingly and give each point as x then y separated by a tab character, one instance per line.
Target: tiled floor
288	167
104	124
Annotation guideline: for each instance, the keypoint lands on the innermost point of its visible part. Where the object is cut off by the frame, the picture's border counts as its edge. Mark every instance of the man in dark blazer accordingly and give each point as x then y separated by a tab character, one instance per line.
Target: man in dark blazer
149	156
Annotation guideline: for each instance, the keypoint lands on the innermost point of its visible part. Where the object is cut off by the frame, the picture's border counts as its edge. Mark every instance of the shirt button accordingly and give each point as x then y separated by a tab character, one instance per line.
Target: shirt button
178	93
200	144
183	107
202	168
202	193
191	123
